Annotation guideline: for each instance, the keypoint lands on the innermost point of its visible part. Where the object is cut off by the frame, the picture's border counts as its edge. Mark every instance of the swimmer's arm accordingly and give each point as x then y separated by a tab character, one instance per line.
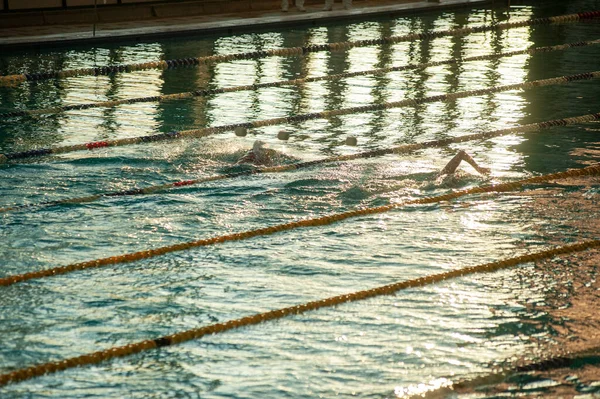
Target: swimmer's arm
458	158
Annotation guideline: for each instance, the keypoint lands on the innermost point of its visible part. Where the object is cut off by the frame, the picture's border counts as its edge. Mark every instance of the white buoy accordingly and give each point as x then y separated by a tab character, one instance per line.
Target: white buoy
351	140
283	135
241	131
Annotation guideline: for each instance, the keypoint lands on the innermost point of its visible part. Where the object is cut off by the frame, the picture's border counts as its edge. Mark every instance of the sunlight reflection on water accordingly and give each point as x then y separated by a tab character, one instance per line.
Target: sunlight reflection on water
380	347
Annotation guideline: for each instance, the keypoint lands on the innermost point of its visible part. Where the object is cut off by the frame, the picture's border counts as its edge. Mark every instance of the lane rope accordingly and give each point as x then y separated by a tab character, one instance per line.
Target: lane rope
11	80
203	132
292	82
320	221
196	333
402	149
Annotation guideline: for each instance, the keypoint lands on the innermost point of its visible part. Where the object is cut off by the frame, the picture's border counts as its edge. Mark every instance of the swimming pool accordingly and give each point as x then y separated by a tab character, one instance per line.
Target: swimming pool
373	348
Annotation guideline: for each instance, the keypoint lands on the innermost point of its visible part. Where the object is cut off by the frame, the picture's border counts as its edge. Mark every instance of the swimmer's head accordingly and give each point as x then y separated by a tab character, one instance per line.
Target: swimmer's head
258	145
261	156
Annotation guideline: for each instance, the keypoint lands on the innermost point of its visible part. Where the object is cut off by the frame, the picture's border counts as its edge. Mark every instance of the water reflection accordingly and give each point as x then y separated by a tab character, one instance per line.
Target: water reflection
550	152
456	327
421	122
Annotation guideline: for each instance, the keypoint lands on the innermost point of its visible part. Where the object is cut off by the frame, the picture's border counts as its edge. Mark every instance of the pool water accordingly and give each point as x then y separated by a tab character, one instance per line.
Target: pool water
381	347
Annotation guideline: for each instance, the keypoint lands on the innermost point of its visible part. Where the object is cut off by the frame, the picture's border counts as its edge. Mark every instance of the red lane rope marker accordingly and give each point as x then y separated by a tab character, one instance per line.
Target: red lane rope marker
204	132
533	127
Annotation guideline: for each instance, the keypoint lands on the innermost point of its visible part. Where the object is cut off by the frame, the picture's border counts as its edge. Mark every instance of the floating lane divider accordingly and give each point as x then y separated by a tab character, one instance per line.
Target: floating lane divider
10	80
203	132
320	221
402	149
196	333
292	82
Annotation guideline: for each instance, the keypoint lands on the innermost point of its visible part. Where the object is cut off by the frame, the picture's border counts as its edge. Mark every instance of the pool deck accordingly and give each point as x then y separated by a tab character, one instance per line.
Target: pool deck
36	37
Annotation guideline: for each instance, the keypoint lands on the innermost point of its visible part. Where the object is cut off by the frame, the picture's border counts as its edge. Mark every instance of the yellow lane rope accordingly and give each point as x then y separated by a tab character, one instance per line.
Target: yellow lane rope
320	221
402	149
11	80
293	82
203	132
184	336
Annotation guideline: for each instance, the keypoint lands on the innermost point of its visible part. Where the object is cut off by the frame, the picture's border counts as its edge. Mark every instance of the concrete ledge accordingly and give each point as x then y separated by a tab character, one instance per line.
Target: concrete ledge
264	5
119	14
79	16
58	17
20	4
79	3
139	1
215	7
239	6
184	9
83	13
22	19
68	35
132	12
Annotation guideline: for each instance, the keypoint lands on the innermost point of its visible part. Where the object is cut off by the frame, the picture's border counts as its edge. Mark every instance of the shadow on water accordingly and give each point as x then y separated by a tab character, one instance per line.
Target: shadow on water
552	152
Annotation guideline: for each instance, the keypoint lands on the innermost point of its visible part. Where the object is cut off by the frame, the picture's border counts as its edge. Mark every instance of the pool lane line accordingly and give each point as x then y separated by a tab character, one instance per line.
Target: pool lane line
11	80
203	132
406	148
293	82
196	333
319	221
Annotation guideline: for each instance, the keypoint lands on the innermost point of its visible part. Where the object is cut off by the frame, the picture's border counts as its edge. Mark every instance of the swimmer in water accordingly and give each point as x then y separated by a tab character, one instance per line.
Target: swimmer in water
261	156
450	168
446	177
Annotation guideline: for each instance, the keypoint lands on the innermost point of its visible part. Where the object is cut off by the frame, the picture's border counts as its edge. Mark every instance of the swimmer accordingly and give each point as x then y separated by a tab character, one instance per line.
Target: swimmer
450	168
260	156
446	177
